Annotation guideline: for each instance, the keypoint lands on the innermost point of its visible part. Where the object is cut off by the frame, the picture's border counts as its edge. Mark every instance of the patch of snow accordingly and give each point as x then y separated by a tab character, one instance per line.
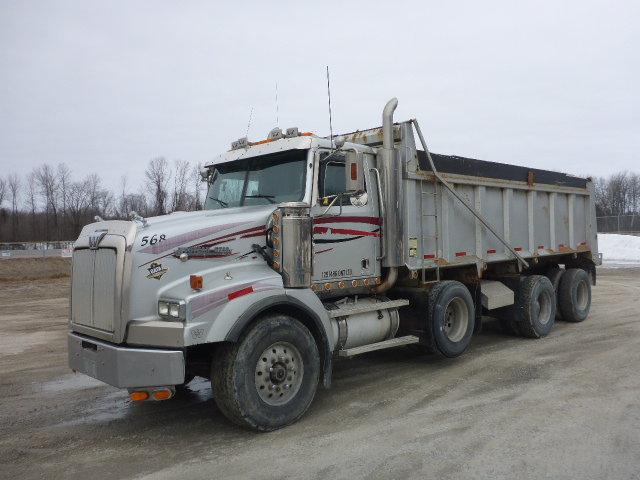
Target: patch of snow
619	249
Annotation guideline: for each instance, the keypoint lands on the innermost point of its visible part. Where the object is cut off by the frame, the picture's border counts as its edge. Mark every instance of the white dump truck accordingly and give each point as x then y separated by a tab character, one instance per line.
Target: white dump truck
310	249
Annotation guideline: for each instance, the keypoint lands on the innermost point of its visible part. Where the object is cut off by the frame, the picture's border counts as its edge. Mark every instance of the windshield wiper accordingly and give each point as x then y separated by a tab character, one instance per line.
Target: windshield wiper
222	203
268	197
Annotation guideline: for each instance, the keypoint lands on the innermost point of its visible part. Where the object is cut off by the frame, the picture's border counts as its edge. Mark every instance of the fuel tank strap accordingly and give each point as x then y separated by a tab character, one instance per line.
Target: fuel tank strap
369	307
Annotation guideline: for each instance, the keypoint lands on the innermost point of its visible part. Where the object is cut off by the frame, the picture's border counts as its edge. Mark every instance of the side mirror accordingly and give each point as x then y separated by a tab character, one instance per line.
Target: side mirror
354	172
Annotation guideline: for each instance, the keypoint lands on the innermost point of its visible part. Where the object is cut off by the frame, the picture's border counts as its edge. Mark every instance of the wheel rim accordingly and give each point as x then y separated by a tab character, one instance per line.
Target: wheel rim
582	295
542	308
456	319
279	373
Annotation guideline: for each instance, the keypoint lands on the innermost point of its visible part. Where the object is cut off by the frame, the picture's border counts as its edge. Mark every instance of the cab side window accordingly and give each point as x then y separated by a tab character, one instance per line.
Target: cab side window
332	180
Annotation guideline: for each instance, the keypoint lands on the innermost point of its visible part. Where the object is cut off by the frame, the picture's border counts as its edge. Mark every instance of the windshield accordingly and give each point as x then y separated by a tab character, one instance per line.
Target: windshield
268	179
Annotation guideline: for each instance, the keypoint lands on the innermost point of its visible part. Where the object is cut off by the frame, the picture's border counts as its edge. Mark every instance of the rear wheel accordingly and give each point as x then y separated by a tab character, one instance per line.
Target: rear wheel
575	295
535	311
450	318
268	379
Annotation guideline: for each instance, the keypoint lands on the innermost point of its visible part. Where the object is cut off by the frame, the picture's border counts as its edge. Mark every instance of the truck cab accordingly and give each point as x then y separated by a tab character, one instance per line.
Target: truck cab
308	249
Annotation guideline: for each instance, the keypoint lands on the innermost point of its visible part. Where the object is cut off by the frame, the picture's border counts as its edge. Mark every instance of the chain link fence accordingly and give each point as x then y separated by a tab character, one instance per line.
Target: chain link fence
35	249
625	224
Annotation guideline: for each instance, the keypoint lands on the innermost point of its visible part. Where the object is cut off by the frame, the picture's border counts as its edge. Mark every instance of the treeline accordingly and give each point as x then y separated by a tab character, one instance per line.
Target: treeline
618	194
50	204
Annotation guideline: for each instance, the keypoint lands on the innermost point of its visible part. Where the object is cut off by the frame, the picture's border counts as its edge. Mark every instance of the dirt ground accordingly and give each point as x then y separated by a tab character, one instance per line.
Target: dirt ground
34	268
567	406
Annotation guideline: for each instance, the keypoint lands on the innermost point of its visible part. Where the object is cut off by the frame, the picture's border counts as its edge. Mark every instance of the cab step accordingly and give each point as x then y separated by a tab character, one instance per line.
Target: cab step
391	343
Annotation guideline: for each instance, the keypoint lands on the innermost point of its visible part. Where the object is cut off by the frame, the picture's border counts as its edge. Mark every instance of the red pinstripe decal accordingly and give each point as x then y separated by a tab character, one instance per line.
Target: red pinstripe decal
256	234
348	231
341	219
240	293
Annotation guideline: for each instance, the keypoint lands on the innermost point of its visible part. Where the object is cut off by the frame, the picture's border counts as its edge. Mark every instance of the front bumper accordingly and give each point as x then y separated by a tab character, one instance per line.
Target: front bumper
125	367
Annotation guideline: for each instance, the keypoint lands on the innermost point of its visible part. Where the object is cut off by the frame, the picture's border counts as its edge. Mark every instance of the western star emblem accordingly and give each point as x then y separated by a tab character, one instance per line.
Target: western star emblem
95	238
156	270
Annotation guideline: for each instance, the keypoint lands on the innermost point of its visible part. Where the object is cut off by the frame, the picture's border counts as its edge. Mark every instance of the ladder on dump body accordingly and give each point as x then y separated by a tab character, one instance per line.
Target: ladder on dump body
424	195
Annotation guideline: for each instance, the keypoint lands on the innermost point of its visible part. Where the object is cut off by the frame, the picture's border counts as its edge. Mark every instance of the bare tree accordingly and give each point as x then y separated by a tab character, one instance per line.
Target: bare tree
13	183
181	198
93	184
3	189
197	183
32	201
64	178
47	183
123	210
634	193
78	203
158	176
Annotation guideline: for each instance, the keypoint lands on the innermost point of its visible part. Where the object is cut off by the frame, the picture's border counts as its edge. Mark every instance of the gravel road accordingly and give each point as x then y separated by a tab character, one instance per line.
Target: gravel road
567	406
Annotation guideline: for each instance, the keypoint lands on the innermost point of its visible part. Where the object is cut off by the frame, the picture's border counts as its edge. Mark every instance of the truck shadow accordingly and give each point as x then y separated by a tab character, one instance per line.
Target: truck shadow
194	406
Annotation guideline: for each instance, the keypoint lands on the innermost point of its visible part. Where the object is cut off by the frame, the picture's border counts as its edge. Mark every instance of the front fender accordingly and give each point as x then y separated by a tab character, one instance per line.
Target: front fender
212	313
301	302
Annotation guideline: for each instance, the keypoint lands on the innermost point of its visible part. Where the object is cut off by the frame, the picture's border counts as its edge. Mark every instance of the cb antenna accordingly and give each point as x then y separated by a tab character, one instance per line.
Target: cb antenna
249	123
329	96
277	108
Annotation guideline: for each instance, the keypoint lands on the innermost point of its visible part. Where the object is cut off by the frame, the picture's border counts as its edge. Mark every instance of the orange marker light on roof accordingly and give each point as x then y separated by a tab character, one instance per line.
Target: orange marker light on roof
196	282
261	142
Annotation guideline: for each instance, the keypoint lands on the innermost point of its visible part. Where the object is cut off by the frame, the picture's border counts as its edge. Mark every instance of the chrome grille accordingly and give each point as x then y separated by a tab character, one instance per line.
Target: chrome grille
94	295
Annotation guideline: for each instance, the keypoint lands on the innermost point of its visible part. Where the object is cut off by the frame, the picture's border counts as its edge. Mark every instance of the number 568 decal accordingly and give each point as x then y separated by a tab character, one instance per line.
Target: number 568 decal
153	239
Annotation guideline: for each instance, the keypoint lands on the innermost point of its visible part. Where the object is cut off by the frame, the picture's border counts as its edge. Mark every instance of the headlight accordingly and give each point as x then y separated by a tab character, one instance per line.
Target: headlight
171	310
163	308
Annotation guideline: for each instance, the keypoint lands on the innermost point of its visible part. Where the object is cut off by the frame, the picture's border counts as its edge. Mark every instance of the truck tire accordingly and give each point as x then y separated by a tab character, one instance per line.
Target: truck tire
268	379
535	308
450	318
555	274
574	295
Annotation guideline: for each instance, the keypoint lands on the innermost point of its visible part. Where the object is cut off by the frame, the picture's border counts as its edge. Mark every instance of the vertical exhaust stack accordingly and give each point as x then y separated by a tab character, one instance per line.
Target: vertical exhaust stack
391	176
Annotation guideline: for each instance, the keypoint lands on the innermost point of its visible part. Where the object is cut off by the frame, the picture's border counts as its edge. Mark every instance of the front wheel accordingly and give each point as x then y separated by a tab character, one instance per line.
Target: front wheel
268	379
450	318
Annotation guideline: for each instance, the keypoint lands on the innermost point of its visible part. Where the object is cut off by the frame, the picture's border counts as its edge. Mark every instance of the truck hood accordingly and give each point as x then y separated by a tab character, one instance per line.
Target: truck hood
197	231
215	241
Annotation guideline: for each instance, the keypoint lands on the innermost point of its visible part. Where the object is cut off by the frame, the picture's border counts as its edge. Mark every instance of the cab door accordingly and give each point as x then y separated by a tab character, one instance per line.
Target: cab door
346	238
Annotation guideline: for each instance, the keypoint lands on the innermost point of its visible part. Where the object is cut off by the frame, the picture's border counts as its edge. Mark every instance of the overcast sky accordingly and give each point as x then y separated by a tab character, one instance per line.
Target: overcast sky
105	86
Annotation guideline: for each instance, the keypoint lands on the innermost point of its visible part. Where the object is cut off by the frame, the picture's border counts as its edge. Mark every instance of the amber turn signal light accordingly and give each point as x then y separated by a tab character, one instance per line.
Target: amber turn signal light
139	396
163	394
196	282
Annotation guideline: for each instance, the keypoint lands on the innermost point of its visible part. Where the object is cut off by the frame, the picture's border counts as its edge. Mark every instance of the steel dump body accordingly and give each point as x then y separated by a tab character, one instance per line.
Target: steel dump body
539	213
